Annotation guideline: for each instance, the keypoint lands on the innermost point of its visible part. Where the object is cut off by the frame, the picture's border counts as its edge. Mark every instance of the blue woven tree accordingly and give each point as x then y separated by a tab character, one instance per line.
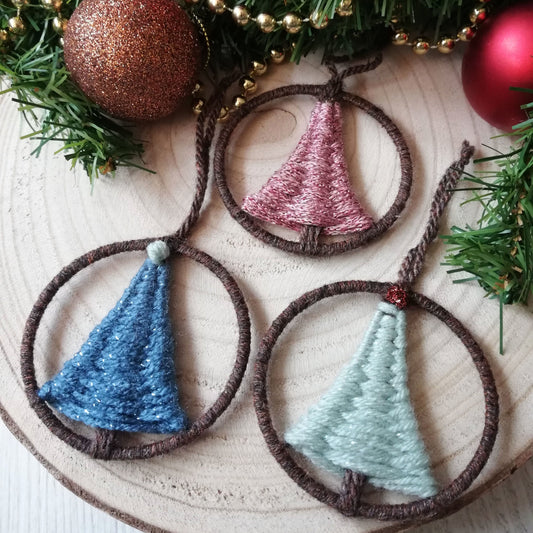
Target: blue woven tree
123	377
365	422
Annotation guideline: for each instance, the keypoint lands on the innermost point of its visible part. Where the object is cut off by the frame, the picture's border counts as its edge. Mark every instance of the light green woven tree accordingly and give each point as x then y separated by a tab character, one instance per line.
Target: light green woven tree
365	422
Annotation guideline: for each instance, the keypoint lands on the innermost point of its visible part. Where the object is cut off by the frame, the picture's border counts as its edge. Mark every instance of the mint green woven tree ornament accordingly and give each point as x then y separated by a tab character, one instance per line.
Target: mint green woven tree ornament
365	422
363	429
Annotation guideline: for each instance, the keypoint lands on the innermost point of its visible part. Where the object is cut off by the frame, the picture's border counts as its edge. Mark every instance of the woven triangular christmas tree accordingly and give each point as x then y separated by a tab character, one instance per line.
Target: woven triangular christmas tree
365	422
312	189
123	377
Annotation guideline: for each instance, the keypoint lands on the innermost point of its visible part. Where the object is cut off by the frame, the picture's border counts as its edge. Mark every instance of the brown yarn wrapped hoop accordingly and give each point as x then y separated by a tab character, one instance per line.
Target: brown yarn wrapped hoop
104	444
349	501
330	90
110	451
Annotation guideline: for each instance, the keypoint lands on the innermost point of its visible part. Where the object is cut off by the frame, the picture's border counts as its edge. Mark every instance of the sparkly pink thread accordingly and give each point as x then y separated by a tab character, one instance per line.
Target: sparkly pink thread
313	187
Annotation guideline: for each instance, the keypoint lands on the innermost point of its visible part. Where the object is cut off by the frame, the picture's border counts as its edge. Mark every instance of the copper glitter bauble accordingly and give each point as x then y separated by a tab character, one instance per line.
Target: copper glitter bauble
137	59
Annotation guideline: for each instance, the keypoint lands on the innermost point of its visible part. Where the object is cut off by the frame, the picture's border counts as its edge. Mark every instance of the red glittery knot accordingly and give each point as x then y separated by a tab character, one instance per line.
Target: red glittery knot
397	296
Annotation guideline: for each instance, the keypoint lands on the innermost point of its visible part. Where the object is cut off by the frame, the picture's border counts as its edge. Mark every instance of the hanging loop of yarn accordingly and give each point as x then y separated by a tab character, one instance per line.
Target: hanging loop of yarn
348	500
311	243
104	445
205	131
332	88
412	264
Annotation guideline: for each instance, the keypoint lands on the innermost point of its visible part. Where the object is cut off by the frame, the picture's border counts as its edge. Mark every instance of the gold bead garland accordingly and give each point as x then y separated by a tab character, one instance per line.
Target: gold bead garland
240	15
277	55
52	5
318	20
216	6
16	26
20	4
344	9
59	24
258	68
444	45
293	23
247	85
265	22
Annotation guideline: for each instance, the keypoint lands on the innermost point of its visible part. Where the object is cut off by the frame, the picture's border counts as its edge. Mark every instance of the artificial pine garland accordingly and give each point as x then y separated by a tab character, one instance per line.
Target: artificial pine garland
57	110
54	108
363	26
499	252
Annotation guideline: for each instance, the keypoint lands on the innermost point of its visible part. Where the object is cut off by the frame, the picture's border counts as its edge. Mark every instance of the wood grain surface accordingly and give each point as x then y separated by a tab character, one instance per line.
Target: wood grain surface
227	480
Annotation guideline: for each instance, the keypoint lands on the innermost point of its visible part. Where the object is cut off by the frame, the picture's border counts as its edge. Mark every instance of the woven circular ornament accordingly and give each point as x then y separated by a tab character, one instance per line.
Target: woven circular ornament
103	447
364	428
312	193
122	379
349	500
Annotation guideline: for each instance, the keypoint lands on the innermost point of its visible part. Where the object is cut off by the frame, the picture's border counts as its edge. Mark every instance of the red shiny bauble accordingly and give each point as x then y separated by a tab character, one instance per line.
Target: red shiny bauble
137	59
501	56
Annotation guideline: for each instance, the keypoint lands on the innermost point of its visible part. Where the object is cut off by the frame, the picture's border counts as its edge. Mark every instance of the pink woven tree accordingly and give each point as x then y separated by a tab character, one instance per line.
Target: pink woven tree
311	192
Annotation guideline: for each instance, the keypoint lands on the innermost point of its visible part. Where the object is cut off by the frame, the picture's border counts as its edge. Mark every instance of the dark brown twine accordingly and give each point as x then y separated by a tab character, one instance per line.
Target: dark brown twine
334	86
332	89
205	131
348	501
414	260
104	443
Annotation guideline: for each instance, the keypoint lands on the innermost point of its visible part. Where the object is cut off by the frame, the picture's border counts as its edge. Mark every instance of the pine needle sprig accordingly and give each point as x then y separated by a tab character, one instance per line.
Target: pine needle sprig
368	28
498	254
54	107
57	111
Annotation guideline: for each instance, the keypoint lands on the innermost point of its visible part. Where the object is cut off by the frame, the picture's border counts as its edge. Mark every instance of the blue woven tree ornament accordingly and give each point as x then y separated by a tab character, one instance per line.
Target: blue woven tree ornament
365	421
123	377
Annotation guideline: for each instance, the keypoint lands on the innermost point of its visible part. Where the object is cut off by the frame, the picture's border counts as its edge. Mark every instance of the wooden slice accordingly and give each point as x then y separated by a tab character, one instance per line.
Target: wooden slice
227	480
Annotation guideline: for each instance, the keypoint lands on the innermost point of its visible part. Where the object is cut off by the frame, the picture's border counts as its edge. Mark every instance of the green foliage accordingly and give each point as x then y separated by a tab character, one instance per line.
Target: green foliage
54	107
367	29
499	252
57	110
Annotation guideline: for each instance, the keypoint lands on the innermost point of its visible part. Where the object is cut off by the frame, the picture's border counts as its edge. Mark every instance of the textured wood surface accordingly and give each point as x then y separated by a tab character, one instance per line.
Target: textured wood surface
32	501
227	480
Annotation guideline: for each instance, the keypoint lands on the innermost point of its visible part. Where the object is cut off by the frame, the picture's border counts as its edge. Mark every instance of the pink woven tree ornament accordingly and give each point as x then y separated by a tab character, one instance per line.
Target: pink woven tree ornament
311	192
